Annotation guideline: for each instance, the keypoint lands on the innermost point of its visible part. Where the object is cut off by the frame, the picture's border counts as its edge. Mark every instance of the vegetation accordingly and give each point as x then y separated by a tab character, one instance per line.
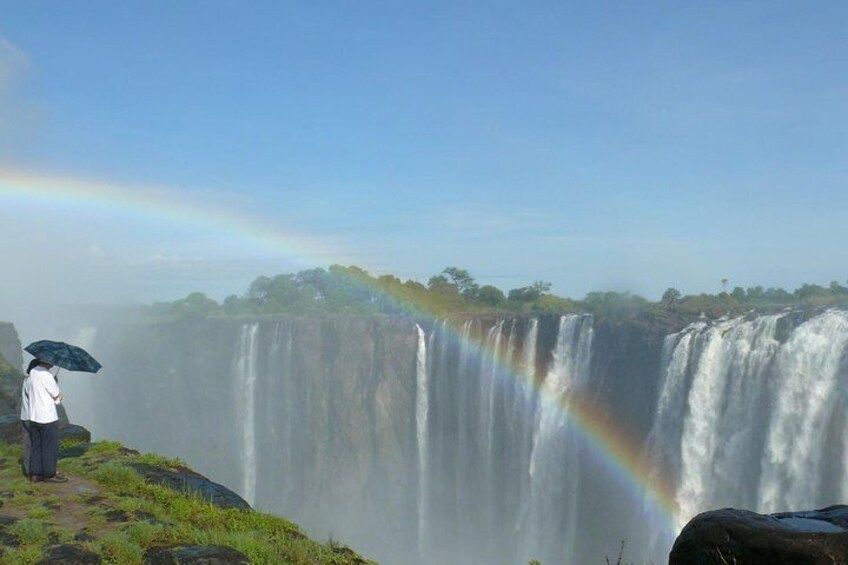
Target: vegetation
110	510
352	290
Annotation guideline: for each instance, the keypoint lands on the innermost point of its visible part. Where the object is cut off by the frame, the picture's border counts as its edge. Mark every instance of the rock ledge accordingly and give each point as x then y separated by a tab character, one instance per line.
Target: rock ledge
730	536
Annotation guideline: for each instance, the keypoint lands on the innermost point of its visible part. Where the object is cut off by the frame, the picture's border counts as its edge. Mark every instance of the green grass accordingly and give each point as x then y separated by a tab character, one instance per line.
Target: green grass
177	517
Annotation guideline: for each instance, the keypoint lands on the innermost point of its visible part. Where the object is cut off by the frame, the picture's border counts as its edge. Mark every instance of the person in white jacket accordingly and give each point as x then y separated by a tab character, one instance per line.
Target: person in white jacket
25	435
42	393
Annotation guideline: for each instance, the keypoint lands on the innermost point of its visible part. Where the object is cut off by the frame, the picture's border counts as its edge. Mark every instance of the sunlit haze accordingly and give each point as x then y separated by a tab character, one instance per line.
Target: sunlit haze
623	146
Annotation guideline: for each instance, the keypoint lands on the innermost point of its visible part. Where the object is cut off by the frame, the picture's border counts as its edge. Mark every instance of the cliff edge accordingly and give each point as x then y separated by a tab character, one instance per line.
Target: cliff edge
121	506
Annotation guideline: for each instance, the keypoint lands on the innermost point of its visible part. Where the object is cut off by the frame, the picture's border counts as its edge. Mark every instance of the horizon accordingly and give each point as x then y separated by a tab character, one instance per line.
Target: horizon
626	148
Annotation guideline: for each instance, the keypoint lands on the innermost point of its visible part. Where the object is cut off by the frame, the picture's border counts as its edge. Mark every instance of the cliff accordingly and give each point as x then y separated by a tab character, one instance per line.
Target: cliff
456	441
10	346
120	506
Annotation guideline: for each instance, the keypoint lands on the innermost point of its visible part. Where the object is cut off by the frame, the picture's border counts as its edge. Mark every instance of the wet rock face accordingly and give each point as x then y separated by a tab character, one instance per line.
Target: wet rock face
194	555
739	536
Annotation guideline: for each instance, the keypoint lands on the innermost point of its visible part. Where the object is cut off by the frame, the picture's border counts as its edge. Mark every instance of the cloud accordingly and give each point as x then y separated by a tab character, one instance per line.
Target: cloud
13	64
18	115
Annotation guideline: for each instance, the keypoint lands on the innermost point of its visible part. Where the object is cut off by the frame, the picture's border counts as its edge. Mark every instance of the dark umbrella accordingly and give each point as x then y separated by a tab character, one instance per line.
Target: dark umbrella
63	355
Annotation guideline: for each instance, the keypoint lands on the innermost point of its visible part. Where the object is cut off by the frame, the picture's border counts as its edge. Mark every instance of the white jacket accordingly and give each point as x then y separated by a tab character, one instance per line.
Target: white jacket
42	391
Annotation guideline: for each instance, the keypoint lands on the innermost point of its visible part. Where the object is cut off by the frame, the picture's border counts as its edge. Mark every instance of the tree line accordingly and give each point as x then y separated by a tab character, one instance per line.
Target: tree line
352	290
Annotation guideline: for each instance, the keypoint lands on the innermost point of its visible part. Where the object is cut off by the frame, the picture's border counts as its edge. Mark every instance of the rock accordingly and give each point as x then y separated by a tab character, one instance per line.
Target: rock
74	432
69	554
10	346
741	537
194	555
185	480
10	430
116	516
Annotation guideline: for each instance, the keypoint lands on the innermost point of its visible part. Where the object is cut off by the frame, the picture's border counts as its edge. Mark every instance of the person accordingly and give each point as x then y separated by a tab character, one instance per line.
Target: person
43	393
25	436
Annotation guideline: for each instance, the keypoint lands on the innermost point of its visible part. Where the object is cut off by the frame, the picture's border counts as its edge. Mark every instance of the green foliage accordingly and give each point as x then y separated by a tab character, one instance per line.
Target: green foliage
492	296
351	290
552	304
530	293
614	304
670	296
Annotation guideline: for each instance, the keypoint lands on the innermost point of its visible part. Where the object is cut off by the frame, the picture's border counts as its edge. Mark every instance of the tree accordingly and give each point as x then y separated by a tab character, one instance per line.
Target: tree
195	305
491	296
739	294
671	295
463	281
530	293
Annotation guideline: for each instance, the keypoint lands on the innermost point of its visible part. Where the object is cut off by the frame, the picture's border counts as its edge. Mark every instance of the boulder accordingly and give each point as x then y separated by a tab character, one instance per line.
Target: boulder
741	537
185	480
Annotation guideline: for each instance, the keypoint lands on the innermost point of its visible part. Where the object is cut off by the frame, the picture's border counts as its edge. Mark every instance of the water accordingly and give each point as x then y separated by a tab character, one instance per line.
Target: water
421	407
244	372
450	441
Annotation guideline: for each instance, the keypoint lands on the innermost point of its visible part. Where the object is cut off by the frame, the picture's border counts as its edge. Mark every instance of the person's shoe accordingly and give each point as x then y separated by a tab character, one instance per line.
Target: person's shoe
56	479
36	478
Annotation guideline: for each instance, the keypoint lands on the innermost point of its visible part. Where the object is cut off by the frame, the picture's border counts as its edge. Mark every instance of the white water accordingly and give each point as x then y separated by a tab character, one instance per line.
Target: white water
552	523
808	387
425	438
747	421
421	409
245	374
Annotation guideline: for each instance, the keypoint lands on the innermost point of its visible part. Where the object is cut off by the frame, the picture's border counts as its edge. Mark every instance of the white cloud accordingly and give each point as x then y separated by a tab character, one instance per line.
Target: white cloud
18	116
13	64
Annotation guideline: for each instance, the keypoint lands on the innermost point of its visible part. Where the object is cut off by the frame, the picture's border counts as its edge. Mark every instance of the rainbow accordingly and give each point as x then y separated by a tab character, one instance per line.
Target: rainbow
145	202
611	445
616	450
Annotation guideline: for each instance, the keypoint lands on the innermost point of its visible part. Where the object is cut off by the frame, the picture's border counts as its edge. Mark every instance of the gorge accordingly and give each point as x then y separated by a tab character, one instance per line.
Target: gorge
486	439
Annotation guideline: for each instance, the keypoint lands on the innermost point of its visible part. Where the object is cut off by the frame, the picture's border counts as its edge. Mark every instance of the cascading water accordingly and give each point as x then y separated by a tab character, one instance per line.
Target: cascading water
244	369
452	442
554	471
744	417
421	407
808	385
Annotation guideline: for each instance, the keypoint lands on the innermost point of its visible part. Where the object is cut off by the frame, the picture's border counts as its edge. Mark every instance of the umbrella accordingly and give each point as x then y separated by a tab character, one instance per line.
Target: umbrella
63	355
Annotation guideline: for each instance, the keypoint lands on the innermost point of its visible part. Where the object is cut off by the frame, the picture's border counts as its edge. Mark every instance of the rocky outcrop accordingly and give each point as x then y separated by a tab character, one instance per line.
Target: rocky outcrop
742	537
10	387
188	481
10	430
10	346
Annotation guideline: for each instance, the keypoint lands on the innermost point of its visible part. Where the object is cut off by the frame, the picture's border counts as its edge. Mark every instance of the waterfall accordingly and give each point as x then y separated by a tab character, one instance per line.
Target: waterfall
808	386
421	408
550	529
719	430
455	445
245	378
744	419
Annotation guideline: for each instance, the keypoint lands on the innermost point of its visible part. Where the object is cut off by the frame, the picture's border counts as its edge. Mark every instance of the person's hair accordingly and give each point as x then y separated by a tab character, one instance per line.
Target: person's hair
32	365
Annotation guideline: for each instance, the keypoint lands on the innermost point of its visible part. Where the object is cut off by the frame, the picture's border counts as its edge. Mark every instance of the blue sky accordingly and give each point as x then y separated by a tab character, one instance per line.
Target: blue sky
596	145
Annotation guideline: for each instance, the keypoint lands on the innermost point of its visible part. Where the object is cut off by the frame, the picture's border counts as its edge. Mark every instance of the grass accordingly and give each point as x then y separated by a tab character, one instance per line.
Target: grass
122	515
